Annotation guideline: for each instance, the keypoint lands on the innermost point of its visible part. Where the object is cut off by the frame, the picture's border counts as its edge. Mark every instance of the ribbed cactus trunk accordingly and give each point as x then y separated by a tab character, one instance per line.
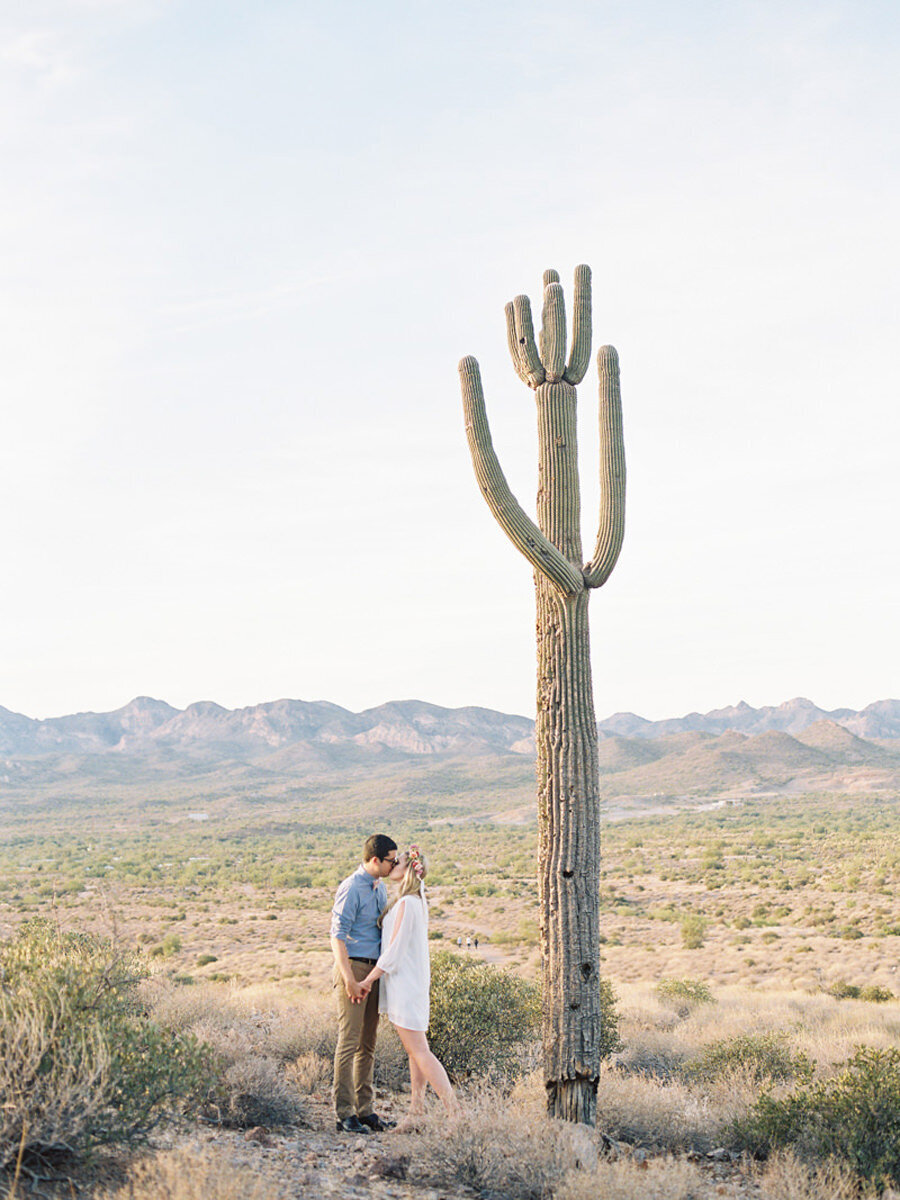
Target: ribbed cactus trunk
566	728
568	781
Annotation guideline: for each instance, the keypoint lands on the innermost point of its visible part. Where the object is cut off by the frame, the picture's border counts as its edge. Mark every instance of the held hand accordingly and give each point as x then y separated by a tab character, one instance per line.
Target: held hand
355	991
366	987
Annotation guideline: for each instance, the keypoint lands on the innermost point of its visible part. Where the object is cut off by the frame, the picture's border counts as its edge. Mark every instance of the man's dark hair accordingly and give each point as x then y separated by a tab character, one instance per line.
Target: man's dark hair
379	845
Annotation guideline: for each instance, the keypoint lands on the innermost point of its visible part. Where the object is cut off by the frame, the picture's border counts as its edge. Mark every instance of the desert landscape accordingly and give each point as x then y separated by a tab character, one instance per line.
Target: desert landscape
749	921
476	424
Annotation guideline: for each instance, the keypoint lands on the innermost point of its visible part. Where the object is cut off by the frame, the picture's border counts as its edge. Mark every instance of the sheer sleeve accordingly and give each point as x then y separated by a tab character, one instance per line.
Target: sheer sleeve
401	935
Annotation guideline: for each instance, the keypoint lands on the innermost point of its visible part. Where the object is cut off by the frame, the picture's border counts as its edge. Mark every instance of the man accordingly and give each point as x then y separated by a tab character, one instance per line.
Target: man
356	945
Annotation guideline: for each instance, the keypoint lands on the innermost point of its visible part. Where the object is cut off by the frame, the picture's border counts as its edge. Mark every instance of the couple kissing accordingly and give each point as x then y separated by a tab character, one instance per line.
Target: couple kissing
382	965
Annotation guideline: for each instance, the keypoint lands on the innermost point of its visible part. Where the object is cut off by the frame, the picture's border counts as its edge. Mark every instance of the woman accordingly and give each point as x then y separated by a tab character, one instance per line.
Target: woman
405	972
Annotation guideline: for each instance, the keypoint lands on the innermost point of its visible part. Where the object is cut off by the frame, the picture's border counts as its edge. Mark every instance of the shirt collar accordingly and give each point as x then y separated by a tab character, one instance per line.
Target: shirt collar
361	870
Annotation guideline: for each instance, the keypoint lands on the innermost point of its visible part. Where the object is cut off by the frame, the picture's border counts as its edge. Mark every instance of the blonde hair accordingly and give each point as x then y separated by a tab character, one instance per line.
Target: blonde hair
413	881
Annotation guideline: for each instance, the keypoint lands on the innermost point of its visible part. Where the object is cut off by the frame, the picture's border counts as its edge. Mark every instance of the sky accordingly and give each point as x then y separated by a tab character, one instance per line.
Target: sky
243	247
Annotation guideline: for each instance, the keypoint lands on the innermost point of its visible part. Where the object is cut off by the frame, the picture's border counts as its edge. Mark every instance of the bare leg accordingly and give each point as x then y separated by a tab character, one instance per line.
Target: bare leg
418	1083
415	1043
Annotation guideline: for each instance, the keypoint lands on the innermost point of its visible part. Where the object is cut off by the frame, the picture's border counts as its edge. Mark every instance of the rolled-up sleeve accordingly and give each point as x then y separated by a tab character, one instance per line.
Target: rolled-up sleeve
393	953
346	906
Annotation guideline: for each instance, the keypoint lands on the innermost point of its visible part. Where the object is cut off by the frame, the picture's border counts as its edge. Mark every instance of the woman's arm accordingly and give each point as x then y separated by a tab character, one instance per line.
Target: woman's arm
387	961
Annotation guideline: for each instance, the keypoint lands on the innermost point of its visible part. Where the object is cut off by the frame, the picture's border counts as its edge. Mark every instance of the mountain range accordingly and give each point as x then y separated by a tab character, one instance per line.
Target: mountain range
878	720
728	751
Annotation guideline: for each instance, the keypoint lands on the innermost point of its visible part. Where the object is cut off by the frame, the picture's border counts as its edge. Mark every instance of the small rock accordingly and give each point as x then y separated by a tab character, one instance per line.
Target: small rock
719	1155
391	1168
356	1180
312	1158
639	1155
258	1134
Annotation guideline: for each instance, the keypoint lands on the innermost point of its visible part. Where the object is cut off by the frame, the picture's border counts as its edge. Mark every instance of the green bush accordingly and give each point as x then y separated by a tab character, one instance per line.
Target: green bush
684	994
875	994
842	990
80	1062
693	931
170	945
854	1116
766	1057
483	1018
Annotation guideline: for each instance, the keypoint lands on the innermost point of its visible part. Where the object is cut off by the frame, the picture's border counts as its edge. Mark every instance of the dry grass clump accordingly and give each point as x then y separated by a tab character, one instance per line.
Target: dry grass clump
763	1057
826	1030
669	1114
279	1027
656	1179
504	1146
309	1073
252	1035
655	1052
786	1177
254	1088
255	1091
682	1083
193	1174
274	1047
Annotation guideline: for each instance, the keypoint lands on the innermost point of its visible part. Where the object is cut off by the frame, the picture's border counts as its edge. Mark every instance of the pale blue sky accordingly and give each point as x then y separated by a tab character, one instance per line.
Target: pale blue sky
243	247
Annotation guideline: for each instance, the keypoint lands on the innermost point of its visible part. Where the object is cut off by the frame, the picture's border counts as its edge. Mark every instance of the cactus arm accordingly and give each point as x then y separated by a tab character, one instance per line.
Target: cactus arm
553	332
528	351
512	338
514	522
580	356
612	472
550	276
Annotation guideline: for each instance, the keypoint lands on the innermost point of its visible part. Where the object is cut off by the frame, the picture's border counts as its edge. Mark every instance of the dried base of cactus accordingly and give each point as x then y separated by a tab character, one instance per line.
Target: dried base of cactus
572	1100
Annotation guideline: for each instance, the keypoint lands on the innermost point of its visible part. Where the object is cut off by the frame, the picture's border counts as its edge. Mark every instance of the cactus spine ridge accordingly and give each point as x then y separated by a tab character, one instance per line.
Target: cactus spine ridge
611	526
529	358
580	357
553	332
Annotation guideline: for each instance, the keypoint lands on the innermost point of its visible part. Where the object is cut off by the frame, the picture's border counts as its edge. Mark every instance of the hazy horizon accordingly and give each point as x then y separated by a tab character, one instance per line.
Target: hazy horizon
426	700
245	247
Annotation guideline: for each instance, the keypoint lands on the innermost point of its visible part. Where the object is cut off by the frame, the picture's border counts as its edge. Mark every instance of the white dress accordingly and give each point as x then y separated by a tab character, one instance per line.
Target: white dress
406	984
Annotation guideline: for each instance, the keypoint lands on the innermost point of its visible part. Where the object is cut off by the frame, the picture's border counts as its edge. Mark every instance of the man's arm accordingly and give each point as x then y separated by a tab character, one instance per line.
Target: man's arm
346	905
342	961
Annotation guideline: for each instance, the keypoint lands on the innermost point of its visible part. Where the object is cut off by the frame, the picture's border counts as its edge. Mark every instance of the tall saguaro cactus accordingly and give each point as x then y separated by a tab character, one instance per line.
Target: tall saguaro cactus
566	729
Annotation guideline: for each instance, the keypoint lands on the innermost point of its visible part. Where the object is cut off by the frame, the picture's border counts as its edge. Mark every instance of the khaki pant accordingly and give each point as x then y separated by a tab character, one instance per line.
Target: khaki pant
354	1056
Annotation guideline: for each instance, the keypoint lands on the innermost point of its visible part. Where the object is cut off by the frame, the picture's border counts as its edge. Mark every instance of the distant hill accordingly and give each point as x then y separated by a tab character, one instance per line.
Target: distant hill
272	748
151	727
878	720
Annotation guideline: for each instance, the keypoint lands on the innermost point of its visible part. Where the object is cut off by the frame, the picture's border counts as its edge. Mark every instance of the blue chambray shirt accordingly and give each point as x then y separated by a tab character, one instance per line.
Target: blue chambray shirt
359	902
